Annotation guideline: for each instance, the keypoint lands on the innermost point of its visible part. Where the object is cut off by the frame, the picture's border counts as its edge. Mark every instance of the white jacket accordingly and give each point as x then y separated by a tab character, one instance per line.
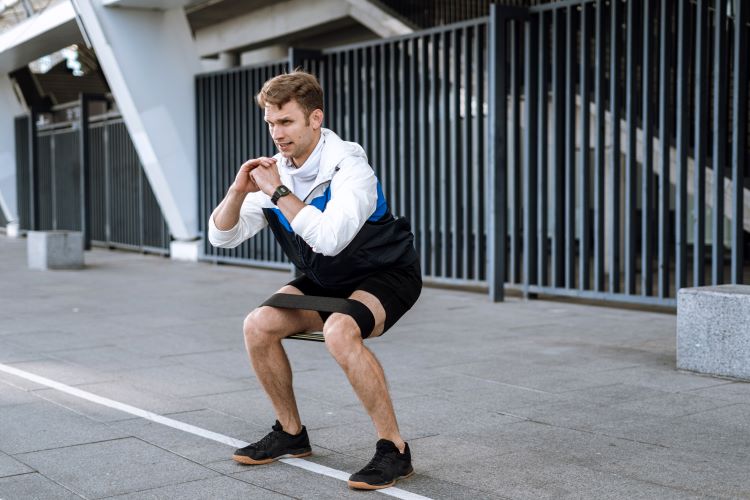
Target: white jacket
353	200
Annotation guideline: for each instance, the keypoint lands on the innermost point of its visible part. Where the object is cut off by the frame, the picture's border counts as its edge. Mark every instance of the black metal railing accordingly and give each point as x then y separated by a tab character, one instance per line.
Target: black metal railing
612	145
123	209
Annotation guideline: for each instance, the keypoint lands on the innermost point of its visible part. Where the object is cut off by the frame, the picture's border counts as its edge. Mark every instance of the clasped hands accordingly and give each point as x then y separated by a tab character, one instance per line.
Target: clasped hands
258	174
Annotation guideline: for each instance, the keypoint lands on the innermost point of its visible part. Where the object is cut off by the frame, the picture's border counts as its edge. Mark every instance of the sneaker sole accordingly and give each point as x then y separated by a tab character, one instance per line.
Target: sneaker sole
249	461
357	485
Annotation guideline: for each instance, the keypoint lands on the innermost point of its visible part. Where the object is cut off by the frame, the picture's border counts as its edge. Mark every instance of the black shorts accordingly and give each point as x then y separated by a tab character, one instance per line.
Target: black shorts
397	290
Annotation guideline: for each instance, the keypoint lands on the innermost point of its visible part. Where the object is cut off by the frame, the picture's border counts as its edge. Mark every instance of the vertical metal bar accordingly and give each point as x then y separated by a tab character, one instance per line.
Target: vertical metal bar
403	166
481	154
614	111
456	174
570	148
599	147
699	168
434	141
392	164
530	194
83	144
665	136
739	137
558	151
720	138
469	35
514	156
445	148
497	155
682	144
411	125
424	158
631	165
34	215
584	189
647	170
542	151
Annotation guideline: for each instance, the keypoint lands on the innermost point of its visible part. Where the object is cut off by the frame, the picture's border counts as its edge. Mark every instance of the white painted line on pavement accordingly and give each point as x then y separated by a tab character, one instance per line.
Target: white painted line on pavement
198	431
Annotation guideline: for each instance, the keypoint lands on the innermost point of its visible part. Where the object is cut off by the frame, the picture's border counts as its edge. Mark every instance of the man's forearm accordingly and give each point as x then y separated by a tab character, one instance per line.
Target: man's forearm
227	214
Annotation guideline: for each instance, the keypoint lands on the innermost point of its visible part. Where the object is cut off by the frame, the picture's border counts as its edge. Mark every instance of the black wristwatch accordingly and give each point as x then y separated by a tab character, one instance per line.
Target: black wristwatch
280	191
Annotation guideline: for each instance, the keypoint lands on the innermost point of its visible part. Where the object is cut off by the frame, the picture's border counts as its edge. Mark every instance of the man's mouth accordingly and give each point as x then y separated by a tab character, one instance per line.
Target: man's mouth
283	145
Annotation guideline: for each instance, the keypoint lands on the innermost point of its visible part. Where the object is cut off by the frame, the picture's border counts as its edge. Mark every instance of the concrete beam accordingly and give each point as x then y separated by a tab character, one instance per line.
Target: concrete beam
11	108
150	63
147	4
42	34
268	24
378	20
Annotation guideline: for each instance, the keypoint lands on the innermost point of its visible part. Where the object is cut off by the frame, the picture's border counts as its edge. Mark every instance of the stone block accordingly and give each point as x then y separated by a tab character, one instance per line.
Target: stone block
713	330
55	250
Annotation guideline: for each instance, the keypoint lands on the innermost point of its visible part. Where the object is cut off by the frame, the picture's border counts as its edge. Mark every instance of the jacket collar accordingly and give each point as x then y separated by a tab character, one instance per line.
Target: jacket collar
334	151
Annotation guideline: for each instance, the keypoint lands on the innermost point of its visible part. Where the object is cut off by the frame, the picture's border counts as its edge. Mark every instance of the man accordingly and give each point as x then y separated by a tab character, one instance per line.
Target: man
321	199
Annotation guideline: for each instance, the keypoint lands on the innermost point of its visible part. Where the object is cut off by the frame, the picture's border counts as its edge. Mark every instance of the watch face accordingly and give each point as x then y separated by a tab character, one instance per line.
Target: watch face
283	190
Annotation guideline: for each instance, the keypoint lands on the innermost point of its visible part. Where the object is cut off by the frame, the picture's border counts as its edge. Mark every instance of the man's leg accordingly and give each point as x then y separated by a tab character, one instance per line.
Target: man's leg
344	342
264	329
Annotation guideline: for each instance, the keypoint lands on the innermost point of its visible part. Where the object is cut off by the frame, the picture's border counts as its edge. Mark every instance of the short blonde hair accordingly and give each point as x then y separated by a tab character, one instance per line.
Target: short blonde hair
298	85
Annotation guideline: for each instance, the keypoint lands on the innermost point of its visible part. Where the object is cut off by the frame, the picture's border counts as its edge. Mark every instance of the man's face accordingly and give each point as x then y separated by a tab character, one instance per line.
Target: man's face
294	136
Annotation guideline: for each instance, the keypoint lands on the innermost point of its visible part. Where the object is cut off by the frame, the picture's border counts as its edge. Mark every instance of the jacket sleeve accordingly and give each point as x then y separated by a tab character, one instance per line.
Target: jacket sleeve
250	223
353	200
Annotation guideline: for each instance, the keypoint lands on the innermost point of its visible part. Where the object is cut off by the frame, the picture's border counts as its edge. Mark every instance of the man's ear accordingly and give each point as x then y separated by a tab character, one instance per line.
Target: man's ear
316	118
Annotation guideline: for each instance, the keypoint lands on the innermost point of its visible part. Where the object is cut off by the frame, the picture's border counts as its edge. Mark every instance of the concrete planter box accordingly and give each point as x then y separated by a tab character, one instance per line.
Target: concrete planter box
55	249
713	330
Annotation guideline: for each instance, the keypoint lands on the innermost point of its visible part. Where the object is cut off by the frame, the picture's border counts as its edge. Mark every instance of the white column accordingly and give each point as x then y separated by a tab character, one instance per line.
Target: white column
150	62
11	108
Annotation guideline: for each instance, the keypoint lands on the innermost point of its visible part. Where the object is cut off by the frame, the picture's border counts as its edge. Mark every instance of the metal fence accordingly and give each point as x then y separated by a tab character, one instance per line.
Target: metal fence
526	148
123	209
621	116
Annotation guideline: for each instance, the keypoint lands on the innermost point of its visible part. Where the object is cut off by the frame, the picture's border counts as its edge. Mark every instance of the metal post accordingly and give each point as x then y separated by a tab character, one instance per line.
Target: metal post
497	124
34	219
85	177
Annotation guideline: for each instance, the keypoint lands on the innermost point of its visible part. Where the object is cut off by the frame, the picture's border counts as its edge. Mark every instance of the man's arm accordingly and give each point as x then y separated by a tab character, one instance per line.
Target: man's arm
230	224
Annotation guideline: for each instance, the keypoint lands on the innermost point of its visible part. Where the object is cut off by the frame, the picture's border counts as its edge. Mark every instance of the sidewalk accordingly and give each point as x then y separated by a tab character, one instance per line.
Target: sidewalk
523	399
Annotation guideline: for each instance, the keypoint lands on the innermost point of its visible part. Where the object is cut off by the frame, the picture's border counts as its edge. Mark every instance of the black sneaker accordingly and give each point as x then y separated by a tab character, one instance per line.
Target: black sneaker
276	444
387	466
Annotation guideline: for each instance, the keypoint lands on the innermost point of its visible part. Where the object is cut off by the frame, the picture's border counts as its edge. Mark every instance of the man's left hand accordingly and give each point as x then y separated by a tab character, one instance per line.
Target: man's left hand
267	176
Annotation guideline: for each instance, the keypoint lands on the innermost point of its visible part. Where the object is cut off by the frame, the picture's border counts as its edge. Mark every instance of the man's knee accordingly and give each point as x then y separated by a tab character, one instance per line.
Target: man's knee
341	334
260	325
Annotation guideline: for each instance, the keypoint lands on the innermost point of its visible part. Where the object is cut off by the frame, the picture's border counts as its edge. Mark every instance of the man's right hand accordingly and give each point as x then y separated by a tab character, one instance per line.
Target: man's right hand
244	183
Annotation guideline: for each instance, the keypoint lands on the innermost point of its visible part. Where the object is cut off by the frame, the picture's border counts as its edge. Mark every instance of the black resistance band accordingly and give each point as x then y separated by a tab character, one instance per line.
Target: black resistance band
354	308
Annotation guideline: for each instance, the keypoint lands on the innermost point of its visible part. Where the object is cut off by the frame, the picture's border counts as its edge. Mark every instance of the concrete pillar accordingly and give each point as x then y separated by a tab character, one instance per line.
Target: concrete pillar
150	61
11	108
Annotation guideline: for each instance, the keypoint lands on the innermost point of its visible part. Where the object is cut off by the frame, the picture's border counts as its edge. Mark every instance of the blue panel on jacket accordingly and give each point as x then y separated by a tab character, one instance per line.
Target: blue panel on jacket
321	202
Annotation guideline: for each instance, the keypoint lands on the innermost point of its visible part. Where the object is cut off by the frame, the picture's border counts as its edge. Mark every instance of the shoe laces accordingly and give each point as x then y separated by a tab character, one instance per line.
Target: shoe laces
267	440
381	460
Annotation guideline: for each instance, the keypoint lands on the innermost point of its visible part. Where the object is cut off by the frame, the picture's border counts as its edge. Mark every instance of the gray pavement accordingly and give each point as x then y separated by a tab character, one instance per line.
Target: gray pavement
524	399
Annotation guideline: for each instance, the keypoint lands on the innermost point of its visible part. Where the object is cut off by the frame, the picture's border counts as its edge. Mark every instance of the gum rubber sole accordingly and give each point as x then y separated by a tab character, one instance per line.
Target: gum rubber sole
249	461
358	485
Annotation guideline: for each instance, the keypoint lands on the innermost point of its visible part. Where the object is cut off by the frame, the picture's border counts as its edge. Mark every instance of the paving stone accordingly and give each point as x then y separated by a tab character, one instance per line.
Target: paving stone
535	475
737	392
43	425
180	381
12	467
121	466
196	448
295	482
226	488
253	406
124	392
11	395
33	487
